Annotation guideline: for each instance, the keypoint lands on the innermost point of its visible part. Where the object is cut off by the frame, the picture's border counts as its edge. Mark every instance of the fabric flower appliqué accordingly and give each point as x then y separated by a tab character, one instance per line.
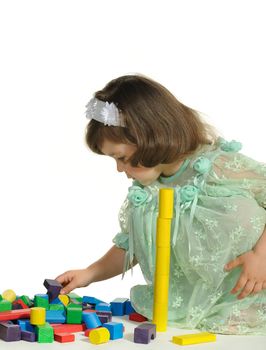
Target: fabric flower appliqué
188	193
138	196
232	146
202	165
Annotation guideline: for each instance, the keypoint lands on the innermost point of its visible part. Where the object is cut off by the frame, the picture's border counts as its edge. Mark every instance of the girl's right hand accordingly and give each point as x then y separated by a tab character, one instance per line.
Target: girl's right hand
73	279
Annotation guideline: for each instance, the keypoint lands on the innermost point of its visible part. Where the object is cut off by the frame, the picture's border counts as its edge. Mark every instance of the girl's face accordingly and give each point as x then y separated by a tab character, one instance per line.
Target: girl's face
121	153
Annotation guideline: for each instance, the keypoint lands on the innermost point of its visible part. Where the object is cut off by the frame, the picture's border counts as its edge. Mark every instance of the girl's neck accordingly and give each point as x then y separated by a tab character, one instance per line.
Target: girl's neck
171	169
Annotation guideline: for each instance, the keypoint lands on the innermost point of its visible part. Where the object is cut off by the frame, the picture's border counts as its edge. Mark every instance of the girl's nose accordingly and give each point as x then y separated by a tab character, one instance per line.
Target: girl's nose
120	167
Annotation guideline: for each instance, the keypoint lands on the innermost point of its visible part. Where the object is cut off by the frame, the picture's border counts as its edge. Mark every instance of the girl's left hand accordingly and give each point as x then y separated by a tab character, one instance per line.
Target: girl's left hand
253	276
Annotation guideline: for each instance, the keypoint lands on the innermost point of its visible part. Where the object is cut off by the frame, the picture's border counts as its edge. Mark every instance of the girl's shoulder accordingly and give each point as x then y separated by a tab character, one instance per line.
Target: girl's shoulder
218	163
218	147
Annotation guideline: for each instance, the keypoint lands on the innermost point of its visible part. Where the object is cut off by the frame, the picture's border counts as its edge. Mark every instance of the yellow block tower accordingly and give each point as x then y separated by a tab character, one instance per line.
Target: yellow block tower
162	266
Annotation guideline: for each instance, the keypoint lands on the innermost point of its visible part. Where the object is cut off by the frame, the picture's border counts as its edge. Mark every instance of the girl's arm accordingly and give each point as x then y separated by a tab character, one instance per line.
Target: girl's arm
253	277
110	265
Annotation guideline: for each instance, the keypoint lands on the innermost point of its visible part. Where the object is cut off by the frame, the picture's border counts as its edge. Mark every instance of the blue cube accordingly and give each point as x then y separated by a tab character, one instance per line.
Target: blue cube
115	329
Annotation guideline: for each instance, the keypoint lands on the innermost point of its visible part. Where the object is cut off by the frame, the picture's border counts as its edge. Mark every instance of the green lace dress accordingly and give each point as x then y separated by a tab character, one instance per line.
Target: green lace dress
219	213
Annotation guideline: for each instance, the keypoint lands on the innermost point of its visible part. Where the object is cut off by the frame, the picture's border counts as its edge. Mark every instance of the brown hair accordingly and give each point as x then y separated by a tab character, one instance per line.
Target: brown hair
163	129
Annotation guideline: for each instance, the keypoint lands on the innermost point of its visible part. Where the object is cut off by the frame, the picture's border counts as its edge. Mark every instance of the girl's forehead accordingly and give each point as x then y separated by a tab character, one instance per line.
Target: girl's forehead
113	149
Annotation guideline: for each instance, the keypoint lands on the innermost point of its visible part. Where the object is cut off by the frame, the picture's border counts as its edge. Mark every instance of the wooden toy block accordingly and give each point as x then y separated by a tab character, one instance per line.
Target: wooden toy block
21	303
57	307
56	301
26	300
74	313
68	328
64	299
91	310
91	319
144	333
16	306
86	306
162	264
104	318
87	331
55	316
37	316
64	337
53	288
74	298
115	329
137	317
5	305
166	200
25	325
118	306
103	307
197	338
105	314
9	332
91	300
45	333
99	335
9	295
129	308
28	336
41	300
14	314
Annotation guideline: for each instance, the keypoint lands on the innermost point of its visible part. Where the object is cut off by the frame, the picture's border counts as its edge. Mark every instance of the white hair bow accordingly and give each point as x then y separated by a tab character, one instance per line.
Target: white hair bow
103	112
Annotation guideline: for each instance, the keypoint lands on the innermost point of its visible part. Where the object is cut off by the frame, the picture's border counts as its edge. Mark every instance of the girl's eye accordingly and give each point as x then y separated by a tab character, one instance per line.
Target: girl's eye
122	159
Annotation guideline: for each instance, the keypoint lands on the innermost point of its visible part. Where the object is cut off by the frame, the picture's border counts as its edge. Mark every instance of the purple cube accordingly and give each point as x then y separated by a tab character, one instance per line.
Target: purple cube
10	332
144	333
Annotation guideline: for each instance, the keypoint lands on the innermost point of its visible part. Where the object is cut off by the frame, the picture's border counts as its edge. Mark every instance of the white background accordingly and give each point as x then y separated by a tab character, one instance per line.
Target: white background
58	201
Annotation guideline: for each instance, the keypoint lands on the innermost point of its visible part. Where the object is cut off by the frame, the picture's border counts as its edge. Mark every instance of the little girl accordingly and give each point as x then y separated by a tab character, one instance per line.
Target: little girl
219	207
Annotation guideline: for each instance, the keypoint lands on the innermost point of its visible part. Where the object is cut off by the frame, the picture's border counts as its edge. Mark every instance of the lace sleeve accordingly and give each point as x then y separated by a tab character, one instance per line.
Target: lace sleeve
122	237
238	171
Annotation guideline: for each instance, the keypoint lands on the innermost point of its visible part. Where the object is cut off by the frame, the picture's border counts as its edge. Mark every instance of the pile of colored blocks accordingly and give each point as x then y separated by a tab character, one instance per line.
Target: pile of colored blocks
52	316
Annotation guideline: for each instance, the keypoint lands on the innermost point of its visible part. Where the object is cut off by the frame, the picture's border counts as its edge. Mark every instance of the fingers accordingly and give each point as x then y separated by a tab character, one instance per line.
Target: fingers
240	284
67	280
232	264
62	278
69	287
257	287
248	288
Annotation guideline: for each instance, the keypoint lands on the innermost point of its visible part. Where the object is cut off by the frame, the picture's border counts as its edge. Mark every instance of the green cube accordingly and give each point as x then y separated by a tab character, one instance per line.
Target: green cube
56	307
45	333
26	299
74	313
5	305
75	297
1	298
40	301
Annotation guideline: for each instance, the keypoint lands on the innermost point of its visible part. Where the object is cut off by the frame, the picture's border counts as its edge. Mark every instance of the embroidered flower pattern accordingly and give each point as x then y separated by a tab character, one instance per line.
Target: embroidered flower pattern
231	146
202	165
188	193
177	302
257	223
138	196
